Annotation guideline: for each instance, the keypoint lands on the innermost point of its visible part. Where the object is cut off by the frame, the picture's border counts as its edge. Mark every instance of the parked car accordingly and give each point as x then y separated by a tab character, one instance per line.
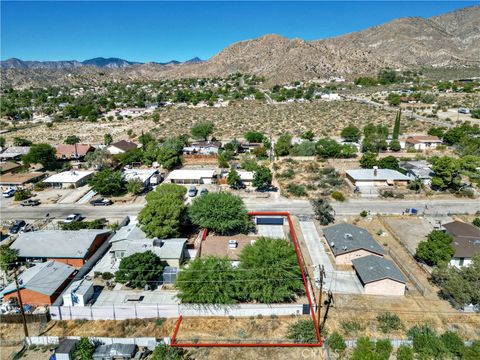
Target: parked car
101	202
30	202
17	226
192	191
9	193
203	192
72	217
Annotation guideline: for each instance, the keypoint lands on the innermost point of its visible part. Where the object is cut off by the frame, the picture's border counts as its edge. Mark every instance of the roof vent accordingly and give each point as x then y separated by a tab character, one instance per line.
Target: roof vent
332	244
348	236
344	247
232	244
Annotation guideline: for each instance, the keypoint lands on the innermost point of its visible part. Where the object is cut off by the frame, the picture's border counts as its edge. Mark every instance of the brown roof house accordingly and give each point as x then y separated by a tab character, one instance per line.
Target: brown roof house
466	242
73	152
121	147
19	180
349	242
422	142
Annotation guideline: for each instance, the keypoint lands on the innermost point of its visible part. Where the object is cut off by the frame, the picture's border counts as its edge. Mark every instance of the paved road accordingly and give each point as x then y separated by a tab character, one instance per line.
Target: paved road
295	207
342	282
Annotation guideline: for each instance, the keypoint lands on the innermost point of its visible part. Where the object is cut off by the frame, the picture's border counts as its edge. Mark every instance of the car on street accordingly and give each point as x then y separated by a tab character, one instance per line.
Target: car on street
203	192
9	193
30	202
17	226
192	191
72	217
101	202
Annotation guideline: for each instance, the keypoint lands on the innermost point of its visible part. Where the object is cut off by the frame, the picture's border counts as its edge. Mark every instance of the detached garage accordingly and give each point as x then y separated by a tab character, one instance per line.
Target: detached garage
379	276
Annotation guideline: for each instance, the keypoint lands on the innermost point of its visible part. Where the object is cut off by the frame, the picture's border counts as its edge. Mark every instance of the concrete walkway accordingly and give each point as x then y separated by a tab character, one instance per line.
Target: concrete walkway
340	282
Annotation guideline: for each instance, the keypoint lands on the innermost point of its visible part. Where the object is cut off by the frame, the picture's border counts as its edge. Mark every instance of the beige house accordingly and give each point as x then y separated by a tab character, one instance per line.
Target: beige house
349	242
379	276
377	177
422	142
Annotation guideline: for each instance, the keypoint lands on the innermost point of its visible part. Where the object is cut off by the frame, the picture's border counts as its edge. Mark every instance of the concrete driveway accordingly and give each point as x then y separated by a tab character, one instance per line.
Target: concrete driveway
339	282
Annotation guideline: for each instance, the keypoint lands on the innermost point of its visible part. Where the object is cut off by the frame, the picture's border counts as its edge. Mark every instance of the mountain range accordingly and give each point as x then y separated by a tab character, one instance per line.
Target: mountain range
451	40
101	62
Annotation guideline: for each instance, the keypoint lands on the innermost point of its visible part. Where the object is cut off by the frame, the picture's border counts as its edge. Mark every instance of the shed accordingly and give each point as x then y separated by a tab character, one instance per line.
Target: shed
65	349
169	274
114	351
78	293
379	276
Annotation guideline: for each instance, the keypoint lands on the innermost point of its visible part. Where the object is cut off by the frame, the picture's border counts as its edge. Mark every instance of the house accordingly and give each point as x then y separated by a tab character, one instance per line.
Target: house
130	239
69	247
72	152
418	170
65	349
121	147
379	276
203	148
422	142
14	152
348	242
19	180
9	167
41	284
146	176
191	176
69	179
376	177
115	351
249	147
78	293
466	242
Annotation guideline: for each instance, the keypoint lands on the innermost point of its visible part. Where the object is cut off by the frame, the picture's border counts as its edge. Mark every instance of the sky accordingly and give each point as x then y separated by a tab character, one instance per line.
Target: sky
162	31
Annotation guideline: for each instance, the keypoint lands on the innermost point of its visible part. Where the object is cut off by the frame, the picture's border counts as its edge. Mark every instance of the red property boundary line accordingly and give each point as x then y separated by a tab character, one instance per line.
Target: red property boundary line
309	296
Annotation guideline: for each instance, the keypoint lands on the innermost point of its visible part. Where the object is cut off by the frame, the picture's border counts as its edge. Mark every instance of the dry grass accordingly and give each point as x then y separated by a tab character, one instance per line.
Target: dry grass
324	118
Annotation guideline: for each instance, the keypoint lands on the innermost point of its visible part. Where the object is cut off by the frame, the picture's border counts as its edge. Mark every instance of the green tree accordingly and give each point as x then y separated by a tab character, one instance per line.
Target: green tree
84	349
220	212
447	173
165	352
202	130
389	162
476	222
328	148
436	131
98	159
308	135
351	133
135	186
283	145
8	258
436	249
223	158
366	349
40	154
426	343
395	145
208	280
393	99
368	160
254	136
336	342
234	180
18	141
72	140
262	177
107	139
275	262
323	211
387	76
305	148
302	331
140	269
169	158
165	211
405	352
453	343
396	127
108	182
348	151
2	142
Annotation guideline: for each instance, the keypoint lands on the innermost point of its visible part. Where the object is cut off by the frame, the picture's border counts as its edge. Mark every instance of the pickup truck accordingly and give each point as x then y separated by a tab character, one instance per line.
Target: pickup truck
30	202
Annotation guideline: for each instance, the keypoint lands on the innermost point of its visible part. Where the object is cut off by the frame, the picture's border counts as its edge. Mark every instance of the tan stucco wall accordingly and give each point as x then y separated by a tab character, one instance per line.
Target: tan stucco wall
385	287
346	259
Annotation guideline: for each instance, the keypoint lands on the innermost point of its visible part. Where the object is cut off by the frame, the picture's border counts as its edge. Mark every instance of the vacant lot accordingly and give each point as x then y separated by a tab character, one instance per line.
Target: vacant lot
409	230
324	118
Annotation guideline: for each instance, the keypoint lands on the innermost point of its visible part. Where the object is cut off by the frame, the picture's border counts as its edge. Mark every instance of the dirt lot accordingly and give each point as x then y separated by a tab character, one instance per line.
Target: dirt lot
324	118
409	230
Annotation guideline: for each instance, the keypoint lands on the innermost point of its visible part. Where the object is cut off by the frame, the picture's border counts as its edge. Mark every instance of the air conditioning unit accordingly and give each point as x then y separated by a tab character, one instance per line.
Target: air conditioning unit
232	244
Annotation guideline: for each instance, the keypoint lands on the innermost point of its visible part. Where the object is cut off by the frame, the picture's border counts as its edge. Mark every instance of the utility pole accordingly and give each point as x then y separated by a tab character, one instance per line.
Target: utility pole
20	302
321	271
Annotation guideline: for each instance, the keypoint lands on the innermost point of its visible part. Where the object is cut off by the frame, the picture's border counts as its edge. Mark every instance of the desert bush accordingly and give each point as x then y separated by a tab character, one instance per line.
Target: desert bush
296	190
337	195
388	322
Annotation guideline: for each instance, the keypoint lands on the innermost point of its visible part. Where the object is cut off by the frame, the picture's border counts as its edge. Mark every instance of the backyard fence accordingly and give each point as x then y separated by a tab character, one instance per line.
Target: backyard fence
173	311
422	289
149	342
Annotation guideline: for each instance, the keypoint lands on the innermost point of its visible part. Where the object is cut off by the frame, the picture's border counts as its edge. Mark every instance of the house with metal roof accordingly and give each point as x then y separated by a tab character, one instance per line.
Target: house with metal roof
115	351
14	152
379	276
376	177
41	284
466	242
419	169
69	247
191	176
348	242
69	179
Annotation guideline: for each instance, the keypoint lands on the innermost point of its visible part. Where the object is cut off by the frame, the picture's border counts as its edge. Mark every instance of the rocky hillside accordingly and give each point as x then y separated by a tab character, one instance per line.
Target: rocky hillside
451	40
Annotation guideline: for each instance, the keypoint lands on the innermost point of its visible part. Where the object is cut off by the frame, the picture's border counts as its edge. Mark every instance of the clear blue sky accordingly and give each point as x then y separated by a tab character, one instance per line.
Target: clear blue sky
162	31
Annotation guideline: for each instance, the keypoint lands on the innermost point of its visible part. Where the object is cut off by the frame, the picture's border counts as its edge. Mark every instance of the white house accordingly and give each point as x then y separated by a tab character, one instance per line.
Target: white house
121	147
203	148
69	179
466	242
376	177
146	176
191	176
422	142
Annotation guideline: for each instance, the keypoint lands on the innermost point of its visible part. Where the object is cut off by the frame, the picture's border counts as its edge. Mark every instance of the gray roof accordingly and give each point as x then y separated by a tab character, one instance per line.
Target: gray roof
15	151
374	268
129	232
344	238
79	287
114	350
56	243
66	346
382	174
45	278
419	169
